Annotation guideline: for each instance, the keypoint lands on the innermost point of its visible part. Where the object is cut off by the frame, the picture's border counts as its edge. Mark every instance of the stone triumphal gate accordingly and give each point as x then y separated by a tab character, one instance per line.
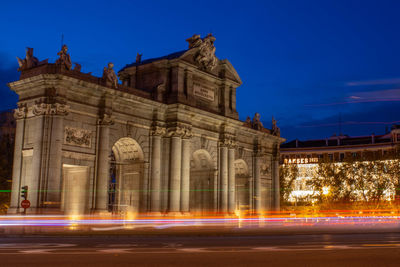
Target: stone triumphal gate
166	140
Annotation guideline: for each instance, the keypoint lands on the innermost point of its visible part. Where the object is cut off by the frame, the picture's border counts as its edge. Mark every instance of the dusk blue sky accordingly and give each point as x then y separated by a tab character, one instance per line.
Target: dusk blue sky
303	62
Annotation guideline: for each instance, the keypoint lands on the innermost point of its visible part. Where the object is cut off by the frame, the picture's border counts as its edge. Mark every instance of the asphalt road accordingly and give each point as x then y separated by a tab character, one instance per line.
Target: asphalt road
318	249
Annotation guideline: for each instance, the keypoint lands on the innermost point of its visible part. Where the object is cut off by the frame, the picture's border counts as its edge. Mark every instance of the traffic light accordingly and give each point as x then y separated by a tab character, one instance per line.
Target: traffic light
24	192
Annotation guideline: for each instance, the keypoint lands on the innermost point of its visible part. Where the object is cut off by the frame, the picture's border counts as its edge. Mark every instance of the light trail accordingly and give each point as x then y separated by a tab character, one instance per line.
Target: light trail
367	217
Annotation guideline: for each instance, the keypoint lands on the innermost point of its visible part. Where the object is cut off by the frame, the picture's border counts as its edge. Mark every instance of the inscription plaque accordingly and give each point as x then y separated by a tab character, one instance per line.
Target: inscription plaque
203	92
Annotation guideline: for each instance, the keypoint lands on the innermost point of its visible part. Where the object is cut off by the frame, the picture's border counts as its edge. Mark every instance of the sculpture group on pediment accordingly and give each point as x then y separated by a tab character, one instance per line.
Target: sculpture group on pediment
194	41
109	76
64	59
29	61
205	56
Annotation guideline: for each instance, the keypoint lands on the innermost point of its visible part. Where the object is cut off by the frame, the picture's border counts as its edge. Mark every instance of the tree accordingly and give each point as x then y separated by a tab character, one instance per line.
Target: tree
287	175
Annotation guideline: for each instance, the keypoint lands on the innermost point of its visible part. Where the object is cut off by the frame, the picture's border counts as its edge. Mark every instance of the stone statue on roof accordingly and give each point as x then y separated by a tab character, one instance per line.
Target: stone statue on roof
247	122
194	41
29	61
138	57
257	124
275	129
64	59
109	76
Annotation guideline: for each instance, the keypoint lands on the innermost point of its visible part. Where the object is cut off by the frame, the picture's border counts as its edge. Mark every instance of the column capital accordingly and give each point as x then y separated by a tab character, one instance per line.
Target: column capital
158	131
106	119
183	131
260	151
20	112
228	140
39	109
59	109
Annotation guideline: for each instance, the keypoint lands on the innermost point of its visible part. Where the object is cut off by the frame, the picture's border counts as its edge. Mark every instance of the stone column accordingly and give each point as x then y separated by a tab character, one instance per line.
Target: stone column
39	110
19	115
224	178
257	185
215	190
54	175
276	183
231	180
175	174
103	164
185	181
155	203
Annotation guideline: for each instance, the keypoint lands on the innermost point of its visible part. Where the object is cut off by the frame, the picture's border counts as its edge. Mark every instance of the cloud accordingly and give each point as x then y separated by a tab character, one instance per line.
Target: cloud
363	119
374	82
375	96
388	95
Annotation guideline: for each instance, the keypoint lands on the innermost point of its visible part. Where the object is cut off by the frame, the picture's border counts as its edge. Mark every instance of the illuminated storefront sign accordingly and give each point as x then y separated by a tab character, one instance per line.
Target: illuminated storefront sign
300	161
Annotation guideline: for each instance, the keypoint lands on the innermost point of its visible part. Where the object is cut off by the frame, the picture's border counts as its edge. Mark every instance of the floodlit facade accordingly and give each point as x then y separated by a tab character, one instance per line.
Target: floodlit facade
362	152
166	140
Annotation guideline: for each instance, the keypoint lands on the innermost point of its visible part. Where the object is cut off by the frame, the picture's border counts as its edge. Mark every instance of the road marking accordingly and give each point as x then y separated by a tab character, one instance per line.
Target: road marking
172	245
381	245
35	245
108	228
36	251
114	250
123	245
193	250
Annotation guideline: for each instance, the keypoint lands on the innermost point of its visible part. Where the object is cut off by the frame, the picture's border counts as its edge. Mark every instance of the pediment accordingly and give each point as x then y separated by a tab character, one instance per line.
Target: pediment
223	68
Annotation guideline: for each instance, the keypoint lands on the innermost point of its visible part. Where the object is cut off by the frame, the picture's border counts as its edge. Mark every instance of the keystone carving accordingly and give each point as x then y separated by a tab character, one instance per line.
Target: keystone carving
265	168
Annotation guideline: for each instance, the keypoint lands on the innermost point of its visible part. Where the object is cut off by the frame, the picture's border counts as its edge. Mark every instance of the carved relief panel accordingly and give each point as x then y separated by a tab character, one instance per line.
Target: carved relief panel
77	137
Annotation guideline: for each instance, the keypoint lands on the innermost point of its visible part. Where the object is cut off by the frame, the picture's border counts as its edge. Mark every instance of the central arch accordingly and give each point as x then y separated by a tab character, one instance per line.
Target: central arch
201	182
127	165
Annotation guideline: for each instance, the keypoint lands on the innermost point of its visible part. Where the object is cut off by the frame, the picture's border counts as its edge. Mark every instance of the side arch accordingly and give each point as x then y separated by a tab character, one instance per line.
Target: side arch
242	177
126	176
202	185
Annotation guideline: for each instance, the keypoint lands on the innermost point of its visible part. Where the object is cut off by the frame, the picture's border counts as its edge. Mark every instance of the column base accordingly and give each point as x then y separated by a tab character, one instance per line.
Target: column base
14	210
173	214
154	213
102	212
